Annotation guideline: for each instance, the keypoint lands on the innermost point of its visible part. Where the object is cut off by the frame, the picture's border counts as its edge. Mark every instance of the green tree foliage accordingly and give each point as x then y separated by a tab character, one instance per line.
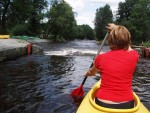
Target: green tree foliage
135	15
27	14
4	8
125	10
140	20
22	17
18	17
89	33
103	17
35	17
44	18
36	10
85	32
61	20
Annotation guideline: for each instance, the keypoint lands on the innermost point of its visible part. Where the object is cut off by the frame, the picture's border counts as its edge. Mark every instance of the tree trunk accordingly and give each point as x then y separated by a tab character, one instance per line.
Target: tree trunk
3	18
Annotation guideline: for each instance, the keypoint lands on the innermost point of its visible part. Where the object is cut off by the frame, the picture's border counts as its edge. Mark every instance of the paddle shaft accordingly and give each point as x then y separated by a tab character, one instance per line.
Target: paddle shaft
97	54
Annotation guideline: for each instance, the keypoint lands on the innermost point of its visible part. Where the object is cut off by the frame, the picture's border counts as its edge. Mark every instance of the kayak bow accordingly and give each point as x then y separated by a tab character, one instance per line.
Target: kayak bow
89	106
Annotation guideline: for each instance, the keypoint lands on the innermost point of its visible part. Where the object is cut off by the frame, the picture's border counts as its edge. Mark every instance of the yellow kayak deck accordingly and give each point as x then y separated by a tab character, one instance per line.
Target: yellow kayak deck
89	106
4	36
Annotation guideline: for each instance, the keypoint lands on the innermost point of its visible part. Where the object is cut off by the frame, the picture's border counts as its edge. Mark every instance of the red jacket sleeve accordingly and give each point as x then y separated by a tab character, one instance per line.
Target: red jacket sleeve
97	61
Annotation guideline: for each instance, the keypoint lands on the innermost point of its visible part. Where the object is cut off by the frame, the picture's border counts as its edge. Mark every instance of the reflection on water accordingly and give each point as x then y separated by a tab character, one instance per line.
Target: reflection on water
42	83
141	81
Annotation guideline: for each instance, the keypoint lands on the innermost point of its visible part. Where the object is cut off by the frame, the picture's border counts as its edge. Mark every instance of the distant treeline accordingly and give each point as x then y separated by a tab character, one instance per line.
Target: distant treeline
55	19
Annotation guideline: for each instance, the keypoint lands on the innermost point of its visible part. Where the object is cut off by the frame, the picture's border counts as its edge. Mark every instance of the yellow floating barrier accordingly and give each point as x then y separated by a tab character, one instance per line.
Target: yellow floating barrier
5	36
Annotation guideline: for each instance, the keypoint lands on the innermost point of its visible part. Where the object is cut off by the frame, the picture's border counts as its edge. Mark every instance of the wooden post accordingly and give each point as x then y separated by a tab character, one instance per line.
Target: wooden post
143	52
29	49
147	53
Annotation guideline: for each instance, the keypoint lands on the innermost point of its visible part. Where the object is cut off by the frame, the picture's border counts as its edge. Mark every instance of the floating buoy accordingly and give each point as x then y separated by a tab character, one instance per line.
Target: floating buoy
29	48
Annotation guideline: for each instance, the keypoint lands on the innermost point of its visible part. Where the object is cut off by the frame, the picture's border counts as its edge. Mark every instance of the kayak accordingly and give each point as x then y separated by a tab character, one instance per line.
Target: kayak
89	106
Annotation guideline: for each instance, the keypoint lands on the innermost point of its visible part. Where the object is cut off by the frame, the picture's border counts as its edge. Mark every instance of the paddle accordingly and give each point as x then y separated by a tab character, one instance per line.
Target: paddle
78	92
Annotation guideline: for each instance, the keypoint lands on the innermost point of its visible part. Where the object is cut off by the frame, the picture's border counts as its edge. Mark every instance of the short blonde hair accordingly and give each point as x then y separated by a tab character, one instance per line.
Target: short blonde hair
119	38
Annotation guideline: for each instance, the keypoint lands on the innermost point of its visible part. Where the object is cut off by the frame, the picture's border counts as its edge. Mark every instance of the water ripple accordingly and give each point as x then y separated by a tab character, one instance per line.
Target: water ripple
42	83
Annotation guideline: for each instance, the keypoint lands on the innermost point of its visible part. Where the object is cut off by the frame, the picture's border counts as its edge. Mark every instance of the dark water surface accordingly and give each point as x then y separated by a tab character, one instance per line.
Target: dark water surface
42	83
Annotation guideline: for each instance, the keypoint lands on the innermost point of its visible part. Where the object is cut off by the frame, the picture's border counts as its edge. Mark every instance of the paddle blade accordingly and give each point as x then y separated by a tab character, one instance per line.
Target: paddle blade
78	92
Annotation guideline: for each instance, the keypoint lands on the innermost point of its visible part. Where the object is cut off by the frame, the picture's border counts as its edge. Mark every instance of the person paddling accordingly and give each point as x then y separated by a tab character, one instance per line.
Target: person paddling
116	68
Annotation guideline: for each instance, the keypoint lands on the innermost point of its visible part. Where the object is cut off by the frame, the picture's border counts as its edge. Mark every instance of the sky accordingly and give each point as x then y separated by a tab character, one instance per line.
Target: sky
86	9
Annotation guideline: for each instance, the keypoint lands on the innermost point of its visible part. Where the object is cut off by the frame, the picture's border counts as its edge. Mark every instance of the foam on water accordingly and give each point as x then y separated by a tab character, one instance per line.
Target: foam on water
72	51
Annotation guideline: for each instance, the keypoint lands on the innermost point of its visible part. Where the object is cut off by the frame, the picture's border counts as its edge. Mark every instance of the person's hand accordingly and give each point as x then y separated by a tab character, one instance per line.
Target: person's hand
86	73
110	27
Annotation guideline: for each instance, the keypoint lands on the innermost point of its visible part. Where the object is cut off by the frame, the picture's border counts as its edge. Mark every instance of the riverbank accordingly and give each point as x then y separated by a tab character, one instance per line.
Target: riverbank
13	48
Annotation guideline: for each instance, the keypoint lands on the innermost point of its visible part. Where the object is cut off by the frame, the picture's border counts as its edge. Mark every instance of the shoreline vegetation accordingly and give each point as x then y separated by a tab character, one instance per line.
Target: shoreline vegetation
55	20
20	45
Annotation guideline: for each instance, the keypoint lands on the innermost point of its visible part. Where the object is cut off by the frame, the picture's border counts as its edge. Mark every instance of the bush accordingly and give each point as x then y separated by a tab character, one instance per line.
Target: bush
146	44
20	29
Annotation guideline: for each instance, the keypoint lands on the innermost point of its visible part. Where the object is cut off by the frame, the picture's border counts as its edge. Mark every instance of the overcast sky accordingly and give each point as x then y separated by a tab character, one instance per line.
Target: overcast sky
86	9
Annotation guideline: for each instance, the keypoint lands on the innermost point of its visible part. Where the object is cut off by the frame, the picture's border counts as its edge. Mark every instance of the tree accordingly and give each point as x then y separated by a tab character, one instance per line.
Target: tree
88	31
61	20
24	16
18	16
140	20
27	17
37	6
103	17
4	4
125	10
85	32
135	15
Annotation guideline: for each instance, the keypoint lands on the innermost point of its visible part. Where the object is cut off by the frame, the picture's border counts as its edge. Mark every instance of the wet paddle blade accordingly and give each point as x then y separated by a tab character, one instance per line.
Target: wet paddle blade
78	92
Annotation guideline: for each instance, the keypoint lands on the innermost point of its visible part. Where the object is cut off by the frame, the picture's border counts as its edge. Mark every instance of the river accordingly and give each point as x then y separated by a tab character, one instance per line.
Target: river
43	83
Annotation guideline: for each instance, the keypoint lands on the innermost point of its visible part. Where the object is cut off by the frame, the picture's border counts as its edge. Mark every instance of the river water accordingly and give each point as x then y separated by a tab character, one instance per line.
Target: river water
43	83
